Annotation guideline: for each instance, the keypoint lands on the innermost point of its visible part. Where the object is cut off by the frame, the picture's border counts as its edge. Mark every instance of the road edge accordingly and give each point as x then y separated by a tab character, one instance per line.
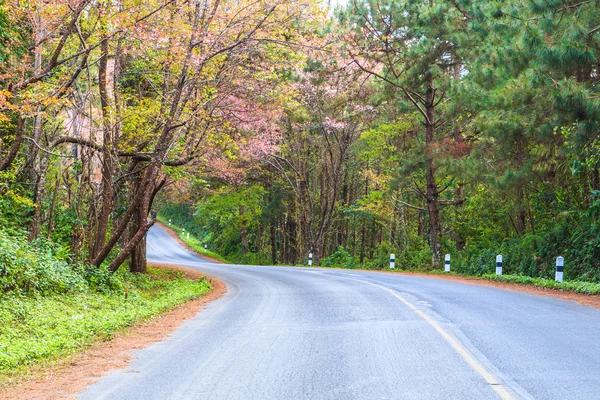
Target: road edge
581	298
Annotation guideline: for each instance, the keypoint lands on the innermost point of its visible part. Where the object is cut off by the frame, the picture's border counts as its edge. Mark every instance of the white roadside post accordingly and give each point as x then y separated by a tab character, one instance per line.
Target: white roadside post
188	235
169	222
182	231
560	267
447	263
392	261
205	247
498	265
309	259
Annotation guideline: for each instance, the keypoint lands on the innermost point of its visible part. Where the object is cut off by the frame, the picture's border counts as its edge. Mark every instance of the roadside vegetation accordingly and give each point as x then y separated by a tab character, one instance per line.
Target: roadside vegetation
50	309
343	259
570	286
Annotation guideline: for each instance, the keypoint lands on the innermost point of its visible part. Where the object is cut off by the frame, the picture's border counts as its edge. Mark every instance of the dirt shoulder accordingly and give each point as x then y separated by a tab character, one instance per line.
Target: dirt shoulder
69	377
172	233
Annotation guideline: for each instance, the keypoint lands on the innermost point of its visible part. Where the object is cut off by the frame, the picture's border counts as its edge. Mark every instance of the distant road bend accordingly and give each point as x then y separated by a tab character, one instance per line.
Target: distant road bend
301	333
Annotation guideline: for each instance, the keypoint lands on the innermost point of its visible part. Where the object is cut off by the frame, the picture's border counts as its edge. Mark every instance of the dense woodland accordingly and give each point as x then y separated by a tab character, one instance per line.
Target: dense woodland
273	129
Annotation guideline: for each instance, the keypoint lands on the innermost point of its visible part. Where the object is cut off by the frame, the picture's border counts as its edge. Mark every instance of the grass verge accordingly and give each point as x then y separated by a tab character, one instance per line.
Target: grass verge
39	330
570	286
193	242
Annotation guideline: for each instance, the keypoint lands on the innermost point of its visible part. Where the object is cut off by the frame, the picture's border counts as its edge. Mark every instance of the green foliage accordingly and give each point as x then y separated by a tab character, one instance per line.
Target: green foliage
15	207
34	268
11	40
220	220
227	214
41	329
415	258
181	215
340	259
572	286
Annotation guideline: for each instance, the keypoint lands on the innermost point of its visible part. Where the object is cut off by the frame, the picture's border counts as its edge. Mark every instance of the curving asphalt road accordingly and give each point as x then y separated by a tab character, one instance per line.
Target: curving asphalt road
302	333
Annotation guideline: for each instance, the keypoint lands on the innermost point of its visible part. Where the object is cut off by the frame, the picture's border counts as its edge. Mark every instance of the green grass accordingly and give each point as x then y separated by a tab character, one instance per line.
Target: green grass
43	329
570	286
193	242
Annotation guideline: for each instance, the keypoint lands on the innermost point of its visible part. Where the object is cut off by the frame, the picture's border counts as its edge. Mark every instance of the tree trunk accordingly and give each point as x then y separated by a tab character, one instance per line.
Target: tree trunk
273	238
106	193
53	205
135	240
243	231
431	193
363	234
291	232
37	172
40	190
14	148
138	262
521	158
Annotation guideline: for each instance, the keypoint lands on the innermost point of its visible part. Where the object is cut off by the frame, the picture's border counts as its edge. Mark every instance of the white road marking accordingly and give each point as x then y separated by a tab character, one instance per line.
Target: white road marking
462	351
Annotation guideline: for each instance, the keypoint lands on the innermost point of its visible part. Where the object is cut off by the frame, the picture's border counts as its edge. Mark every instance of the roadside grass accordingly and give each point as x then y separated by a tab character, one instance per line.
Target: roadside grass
39	330
569	286
194	243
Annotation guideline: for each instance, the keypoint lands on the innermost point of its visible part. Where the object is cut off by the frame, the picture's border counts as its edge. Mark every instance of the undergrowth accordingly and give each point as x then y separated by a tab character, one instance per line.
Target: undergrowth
42	328
50	308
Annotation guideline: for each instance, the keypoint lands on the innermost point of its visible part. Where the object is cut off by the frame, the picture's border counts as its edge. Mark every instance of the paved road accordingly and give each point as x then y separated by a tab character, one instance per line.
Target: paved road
301	333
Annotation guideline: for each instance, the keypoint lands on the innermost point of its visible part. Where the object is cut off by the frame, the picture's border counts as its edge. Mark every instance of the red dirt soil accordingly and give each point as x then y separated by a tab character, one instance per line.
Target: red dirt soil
69	377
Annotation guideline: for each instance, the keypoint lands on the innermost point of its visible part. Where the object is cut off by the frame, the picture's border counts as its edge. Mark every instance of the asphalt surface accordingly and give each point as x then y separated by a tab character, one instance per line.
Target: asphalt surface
302	333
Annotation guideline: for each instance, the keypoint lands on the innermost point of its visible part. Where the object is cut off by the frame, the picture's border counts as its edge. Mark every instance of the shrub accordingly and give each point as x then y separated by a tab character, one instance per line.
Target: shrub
340	259
30	268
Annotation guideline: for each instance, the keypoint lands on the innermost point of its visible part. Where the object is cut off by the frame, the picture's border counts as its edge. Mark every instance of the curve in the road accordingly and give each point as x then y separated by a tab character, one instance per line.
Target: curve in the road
304	333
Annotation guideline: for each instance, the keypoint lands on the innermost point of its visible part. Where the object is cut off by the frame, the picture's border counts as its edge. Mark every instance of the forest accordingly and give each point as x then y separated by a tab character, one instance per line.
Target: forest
271	130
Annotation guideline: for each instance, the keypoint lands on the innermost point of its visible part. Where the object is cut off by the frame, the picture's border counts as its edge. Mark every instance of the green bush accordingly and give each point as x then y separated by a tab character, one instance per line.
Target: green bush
102	280
380	259
415	258
38	267
340	259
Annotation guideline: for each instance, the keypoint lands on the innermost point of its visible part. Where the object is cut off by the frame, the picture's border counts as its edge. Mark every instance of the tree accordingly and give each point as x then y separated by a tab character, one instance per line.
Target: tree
413	48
